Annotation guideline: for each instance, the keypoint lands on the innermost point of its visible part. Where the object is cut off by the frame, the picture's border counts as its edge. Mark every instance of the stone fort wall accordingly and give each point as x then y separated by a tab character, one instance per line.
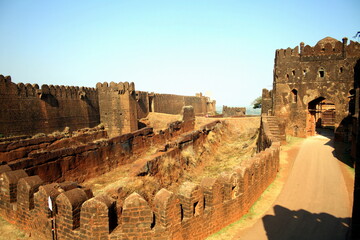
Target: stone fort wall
27	109
172	104
194	212
325	70
233	111
89	153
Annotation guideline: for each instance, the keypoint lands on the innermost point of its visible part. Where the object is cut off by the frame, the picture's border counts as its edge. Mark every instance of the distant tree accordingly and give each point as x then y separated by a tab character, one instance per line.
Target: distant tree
257	102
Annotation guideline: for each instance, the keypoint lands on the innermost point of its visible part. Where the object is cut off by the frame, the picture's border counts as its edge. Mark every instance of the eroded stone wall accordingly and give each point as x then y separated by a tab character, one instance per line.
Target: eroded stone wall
233	111
117	103
26	109
89	153
173	104
193	212
323	71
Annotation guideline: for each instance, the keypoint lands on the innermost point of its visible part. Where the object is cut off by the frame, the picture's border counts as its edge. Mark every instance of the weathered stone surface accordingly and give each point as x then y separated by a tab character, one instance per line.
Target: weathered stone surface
314	87
233	111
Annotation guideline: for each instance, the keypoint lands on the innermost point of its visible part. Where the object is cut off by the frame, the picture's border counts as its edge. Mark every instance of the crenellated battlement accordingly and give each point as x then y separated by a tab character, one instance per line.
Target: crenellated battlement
7	87
194	211
118	107
120	88
287	53
326	49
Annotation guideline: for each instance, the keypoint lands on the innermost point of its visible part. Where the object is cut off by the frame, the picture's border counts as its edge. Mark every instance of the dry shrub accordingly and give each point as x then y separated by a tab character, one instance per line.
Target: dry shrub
189	156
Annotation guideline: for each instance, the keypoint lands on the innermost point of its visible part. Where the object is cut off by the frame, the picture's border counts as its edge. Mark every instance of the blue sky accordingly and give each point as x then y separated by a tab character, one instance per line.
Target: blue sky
223	48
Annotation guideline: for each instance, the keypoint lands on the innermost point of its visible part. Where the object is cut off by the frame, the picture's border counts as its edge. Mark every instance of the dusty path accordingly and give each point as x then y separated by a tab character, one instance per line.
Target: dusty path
314	203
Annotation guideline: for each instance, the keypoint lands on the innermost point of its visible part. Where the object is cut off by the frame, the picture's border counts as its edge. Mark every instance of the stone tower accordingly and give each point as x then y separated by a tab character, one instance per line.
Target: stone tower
117	104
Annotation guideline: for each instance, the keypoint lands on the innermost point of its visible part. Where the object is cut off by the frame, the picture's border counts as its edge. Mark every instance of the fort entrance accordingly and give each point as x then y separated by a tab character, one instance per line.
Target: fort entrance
321	114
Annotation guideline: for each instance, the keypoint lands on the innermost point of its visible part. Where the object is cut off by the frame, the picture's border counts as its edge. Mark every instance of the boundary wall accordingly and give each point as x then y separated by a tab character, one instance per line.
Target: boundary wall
172	104
28	109
233	111
304	75
77	158
194	212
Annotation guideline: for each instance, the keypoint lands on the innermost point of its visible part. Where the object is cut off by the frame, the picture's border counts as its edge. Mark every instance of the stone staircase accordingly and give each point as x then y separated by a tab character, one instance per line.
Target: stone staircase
274	128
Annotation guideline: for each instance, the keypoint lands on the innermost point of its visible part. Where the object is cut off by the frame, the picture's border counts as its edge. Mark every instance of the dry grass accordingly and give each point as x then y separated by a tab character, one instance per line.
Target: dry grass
223	149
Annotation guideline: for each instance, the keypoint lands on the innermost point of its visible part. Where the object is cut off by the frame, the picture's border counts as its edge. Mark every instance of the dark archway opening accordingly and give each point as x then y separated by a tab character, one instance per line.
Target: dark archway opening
321	116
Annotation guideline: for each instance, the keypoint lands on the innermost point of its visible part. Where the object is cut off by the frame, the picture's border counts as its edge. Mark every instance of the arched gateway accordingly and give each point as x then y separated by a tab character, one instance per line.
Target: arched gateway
321	114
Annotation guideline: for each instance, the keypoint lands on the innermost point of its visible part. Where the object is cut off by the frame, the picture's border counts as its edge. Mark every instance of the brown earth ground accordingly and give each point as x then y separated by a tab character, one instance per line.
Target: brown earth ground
230	143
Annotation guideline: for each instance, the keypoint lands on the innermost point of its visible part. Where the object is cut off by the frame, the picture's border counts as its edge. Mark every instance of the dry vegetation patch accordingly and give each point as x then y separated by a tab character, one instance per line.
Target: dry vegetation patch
223	149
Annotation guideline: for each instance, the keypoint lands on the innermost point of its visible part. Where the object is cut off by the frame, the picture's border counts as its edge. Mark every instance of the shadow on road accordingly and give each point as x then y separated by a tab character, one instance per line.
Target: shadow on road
303	225
342	150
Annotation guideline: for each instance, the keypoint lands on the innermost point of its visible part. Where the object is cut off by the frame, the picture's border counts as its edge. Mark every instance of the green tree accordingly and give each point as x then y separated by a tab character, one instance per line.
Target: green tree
257	102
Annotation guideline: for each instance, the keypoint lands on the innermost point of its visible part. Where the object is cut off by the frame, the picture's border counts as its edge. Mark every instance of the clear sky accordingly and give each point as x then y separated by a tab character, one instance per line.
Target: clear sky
223	48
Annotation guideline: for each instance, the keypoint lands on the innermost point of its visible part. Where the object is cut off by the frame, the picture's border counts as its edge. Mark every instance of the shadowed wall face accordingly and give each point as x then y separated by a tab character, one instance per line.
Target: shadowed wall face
26	109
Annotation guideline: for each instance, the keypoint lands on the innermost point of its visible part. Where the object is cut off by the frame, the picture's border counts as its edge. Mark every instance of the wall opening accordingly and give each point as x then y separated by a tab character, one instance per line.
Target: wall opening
153	221
352	94
321	72
196	209
113	217
304	72
151	104
234	191
294	95
321	115
181	213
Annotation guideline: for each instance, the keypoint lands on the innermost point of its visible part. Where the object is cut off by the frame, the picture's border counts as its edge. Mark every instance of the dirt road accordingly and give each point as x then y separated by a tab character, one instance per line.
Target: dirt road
314	203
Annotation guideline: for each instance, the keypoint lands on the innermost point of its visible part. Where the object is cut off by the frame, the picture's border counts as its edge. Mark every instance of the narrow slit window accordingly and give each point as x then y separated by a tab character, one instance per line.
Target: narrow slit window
181	213
196	209
294	95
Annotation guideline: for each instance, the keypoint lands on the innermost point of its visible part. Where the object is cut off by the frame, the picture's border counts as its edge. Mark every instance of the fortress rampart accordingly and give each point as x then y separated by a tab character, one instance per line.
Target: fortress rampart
304	76
88	153
172	104
193	212
233	111
27	109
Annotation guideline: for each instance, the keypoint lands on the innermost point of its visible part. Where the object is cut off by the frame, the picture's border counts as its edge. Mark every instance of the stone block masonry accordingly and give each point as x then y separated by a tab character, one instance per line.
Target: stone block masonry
172	104
306	79
118	107
233	111
193	212
86	153
28	109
